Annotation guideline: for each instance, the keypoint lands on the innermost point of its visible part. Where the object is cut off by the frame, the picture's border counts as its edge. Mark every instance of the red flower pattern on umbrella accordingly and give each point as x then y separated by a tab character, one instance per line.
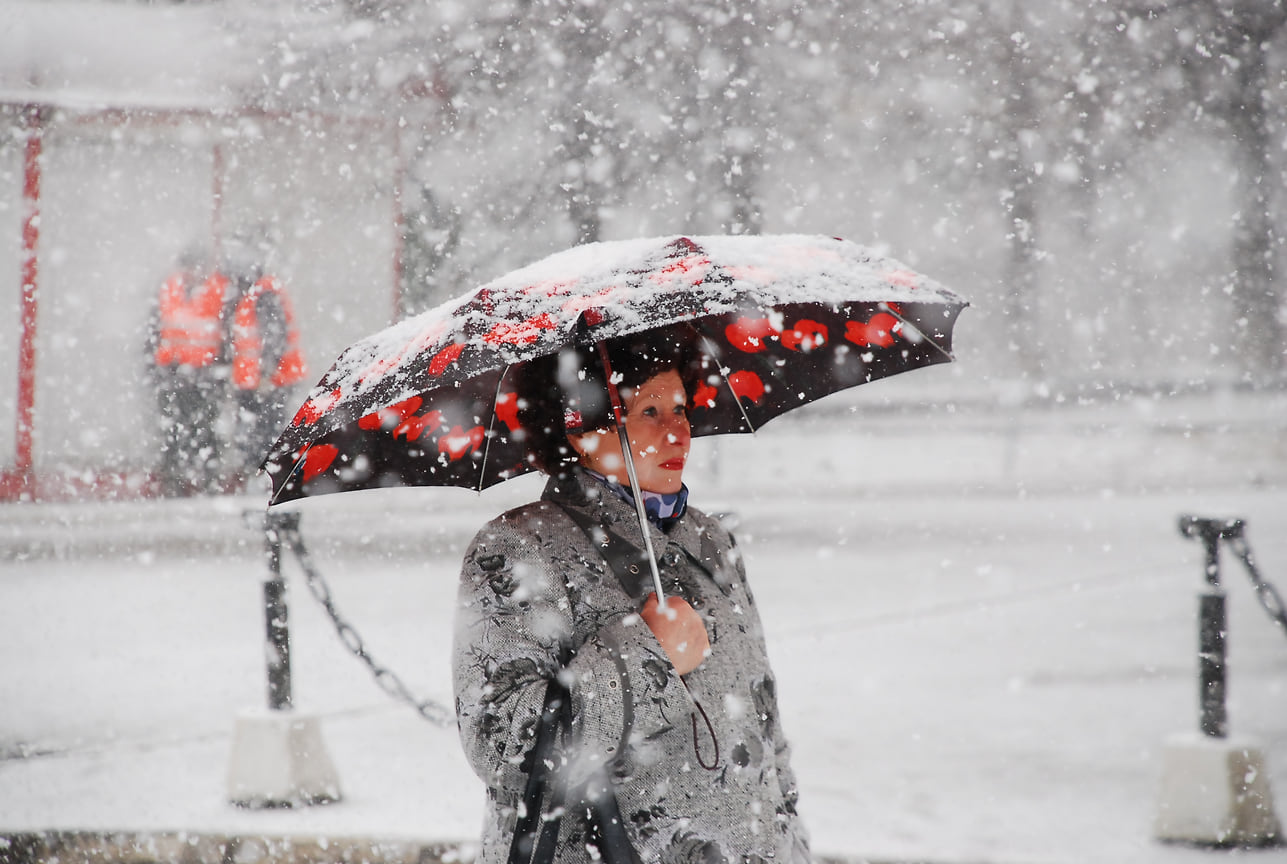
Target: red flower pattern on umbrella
318	459
576	305
689	270
905	278
459	442
747	385
806	335
420	341
758	275
415	426
507	410
751	334
444	358
878	331
550	287
390	416
313	410
425	401
521	333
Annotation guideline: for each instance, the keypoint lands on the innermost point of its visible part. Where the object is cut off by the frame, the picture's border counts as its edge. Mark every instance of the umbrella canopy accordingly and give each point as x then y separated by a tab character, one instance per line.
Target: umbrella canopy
785	319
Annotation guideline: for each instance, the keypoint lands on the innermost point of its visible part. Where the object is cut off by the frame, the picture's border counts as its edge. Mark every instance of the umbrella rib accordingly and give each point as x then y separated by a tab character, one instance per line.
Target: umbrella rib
886	307
294	468
713	351
491	427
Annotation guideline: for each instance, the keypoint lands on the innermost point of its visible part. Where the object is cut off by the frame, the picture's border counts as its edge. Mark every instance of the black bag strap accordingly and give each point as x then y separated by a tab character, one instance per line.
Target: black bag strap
534	836
628	562
537	829
607	829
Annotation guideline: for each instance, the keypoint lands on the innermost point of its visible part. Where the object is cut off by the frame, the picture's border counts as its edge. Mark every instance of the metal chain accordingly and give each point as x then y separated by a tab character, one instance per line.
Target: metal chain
1265	592
388	681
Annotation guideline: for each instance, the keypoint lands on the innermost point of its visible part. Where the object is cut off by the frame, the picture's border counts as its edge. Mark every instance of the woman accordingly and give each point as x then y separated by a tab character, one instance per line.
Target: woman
676	706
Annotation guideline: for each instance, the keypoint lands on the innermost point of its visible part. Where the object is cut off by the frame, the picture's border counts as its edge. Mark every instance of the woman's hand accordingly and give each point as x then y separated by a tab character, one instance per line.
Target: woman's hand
680	631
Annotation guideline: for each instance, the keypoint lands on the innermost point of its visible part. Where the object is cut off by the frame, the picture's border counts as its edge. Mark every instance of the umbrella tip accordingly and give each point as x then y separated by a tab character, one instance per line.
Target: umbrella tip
682	246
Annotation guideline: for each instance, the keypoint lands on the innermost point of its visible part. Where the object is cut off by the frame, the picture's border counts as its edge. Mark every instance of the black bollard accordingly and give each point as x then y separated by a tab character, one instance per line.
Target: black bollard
1214	719
1215	789
1212	623
278	631
278	756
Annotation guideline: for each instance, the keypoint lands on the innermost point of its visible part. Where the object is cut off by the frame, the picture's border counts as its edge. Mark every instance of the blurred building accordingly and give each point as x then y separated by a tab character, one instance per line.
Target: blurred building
129	132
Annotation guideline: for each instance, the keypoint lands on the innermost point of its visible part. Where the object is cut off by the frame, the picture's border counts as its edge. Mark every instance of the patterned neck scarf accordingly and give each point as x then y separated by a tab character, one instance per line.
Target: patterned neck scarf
664	510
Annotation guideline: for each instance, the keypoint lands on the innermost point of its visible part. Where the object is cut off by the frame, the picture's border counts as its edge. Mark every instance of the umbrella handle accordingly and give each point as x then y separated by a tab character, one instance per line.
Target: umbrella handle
619	418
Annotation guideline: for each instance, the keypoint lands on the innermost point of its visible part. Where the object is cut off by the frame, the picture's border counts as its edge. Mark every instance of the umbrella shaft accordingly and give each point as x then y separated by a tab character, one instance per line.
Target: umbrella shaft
619	417
640	510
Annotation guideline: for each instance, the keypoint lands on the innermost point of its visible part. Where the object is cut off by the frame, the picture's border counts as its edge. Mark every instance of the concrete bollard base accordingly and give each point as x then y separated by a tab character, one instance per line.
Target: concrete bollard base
1215	792
279	760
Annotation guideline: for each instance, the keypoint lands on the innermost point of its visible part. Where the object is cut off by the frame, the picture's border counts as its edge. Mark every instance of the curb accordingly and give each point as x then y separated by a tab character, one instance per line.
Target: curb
182	847
87	847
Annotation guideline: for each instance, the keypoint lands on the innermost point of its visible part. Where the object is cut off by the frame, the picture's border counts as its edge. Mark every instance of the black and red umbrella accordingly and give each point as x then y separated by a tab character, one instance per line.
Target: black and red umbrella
785	319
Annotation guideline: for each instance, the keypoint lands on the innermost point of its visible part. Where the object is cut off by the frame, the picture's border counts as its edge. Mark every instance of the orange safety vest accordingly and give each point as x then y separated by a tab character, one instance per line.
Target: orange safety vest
190	326
248	342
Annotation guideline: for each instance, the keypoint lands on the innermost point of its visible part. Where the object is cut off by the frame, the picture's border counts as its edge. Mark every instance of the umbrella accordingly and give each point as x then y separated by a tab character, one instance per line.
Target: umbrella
786	319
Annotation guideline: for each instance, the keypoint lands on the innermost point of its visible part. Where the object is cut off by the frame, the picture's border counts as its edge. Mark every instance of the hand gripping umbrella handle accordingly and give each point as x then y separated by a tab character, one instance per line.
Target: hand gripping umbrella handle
619	418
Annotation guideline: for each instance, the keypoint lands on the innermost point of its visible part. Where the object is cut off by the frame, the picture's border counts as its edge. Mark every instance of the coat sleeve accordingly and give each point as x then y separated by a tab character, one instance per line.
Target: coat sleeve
512	622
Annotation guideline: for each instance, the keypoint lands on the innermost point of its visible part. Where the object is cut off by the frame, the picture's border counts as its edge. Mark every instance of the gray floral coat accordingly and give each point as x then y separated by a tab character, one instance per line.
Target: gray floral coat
699	765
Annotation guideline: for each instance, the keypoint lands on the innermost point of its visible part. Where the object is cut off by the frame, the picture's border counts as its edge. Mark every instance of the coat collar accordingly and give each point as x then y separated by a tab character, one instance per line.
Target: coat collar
581	491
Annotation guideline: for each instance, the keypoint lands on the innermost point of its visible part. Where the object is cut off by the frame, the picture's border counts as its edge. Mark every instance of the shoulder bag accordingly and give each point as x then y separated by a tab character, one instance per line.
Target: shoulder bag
536	834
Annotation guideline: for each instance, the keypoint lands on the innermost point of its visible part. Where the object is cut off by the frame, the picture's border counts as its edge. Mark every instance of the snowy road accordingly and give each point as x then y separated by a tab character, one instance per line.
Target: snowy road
967	674
994	686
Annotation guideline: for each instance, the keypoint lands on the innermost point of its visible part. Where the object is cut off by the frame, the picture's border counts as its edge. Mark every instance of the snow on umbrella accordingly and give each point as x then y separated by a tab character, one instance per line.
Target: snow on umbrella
784	319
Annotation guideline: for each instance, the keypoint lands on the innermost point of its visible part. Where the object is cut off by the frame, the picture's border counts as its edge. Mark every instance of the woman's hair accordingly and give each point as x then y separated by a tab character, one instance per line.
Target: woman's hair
567	389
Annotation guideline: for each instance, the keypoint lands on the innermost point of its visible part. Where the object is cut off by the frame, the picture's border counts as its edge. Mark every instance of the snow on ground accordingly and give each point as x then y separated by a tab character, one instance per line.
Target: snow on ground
983	624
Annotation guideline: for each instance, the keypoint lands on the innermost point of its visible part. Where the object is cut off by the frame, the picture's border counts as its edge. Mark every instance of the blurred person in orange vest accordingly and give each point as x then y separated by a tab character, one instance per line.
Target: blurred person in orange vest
265	355
189	375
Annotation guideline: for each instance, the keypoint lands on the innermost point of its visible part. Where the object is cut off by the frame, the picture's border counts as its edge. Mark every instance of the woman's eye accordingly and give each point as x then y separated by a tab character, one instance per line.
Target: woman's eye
650	411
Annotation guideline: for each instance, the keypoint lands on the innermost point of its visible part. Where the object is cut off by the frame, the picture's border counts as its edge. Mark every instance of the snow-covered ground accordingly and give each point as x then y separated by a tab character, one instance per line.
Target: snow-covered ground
983	622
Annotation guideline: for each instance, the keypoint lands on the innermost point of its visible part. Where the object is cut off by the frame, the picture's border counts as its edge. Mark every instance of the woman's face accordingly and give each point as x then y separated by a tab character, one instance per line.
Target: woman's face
657	422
